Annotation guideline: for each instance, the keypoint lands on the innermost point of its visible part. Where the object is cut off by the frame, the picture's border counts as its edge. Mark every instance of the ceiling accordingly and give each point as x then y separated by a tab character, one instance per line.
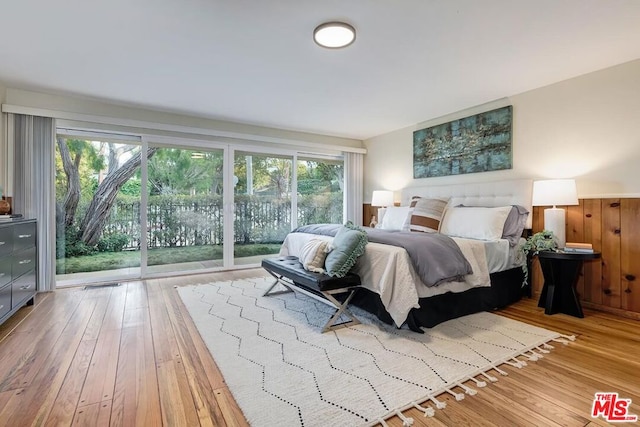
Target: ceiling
254	61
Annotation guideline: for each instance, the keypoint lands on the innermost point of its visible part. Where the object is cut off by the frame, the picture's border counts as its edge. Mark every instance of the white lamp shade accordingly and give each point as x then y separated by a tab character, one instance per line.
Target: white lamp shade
552	192
382	198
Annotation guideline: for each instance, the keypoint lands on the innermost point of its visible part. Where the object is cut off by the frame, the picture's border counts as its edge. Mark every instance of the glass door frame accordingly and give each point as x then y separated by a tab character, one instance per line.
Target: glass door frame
227	187
107	137
274	152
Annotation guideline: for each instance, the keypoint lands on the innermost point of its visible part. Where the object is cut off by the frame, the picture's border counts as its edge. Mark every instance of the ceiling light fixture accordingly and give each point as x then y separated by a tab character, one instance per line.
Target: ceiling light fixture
334	35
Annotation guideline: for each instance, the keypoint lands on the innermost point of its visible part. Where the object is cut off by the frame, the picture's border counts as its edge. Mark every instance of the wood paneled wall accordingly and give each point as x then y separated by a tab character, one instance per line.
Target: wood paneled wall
611	283
367	212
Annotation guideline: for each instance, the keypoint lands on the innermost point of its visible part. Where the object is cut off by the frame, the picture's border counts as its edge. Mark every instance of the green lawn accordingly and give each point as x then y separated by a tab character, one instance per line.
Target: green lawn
114	260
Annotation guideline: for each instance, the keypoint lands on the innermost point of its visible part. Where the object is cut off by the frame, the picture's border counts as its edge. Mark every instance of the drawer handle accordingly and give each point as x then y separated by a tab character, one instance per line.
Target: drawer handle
24	236
1	306
2	274
2	243
24	261
25	287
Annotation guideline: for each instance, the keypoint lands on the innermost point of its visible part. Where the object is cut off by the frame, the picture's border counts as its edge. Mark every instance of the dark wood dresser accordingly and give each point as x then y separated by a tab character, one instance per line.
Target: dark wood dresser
18	265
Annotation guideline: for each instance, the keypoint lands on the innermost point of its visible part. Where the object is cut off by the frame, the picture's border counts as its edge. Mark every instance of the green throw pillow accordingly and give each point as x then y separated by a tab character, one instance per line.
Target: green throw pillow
347	246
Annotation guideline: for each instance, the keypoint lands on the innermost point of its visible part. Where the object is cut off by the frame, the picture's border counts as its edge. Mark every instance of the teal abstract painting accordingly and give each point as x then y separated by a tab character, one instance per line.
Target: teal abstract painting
478	143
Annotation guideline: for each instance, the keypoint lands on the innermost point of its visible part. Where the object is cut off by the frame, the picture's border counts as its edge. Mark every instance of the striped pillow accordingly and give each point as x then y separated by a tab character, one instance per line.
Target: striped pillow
313	254
426	214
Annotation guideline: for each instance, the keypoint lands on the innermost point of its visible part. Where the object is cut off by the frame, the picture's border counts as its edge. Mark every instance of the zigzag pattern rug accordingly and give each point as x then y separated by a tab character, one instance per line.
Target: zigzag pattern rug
283	372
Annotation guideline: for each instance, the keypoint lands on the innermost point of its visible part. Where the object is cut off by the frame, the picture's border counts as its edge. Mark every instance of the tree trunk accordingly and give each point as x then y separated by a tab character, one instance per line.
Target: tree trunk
113	158
72	198
102	202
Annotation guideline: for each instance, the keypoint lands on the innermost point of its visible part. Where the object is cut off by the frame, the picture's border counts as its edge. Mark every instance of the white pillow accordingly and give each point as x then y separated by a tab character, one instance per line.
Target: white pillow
395	218
475	222
313	255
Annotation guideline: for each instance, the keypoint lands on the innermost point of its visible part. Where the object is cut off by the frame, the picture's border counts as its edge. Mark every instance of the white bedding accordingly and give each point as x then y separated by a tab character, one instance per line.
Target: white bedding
501	256
387	270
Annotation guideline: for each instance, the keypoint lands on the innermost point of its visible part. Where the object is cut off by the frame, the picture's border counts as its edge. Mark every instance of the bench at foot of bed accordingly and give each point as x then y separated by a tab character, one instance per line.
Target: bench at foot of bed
289	272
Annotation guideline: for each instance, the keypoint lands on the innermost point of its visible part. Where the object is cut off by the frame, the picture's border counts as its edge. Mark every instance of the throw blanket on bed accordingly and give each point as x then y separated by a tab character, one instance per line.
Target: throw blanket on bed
436	258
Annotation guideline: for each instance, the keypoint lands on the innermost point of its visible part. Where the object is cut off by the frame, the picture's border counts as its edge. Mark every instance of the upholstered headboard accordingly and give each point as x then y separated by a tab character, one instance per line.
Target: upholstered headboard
491	194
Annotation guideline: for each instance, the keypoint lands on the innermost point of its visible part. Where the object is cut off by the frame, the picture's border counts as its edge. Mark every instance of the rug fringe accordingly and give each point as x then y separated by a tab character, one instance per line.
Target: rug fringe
406	421
566	339
458	396
439	405
489	377
533	354
428	411
478	382
500	371
466	389
542	349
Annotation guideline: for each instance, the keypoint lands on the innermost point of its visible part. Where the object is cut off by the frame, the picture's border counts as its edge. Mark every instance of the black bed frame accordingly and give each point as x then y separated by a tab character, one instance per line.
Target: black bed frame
505	289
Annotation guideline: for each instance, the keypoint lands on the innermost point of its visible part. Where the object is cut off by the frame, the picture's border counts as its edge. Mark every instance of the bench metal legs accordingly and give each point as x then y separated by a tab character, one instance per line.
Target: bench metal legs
270	291
341	309
326	298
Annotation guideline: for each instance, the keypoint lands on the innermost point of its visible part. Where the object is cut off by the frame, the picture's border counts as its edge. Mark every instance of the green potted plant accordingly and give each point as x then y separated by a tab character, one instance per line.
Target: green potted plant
543	240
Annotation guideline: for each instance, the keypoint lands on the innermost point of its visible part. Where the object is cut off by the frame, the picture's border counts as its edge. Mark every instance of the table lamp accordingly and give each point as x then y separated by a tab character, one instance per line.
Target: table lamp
552	192
382	199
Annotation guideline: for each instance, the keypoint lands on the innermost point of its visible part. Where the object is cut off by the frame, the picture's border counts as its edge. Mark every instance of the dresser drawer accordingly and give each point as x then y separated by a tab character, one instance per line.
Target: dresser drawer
6	240
24	236
23	288
5	300
5	271
23	261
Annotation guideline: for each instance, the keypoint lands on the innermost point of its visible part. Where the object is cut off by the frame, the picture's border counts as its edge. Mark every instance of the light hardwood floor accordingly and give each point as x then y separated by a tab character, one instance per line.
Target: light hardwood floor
130	355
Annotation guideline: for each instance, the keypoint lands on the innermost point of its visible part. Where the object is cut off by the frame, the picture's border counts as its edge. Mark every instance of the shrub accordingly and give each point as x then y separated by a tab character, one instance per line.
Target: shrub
113	243
75	248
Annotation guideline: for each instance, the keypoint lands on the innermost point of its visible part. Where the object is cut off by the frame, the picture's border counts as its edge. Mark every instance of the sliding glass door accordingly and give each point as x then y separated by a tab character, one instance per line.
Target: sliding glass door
184	210
97	209
320	190
131	208
262	205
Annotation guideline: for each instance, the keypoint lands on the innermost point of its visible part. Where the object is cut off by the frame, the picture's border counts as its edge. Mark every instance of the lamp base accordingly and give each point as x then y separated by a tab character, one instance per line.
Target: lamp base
554	220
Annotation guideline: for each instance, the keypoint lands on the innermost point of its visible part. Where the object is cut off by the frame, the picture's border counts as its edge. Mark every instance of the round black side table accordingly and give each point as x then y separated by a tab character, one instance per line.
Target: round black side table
561	271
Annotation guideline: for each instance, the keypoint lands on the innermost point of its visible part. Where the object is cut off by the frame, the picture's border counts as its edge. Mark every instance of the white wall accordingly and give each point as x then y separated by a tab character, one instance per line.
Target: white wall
586	128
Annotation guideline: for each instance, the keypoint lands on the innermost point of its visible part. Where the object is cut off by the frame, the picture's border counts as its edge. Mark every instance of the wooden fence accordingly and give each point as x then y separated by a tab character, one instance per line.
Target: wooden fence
184	222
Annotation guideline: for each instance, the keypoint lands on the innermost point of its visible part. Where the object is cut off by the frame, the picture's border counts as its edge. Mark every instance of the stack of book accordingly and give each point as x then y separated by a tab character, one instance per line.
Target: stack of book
582	248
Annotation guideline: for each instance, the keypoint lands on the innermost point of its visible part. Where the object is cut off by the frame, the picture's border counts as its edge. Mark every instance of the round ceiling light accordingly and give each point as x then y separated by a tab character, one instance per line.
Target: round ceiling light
334	35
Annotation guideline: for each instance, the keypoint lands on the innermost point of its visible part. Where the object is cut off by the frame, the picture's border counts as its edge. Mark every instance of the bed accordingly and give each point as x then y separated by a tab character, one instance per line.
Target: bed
396	291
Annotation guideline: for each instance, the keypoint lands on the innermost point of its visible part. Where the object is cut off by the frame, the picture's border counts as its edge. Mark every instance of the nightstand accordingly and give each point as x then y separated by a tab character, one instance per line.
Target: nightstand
561	271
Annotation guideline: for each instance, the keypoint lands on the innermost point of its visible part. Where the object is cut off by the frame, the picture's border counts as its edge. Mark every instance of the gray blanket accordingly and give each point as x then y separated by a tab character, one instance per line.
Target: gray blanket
436	258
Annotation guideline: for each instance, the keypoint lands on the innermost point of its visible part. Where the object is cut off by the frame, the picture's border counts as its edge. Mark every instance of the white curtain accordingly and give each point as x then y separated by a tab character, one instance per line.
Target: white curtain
34	186
353	184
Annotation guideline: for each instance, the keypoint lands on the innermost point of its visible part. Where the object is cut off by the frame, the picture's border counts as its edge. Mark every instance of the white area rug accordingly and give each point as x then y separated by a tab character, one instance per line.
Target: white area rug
283	372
